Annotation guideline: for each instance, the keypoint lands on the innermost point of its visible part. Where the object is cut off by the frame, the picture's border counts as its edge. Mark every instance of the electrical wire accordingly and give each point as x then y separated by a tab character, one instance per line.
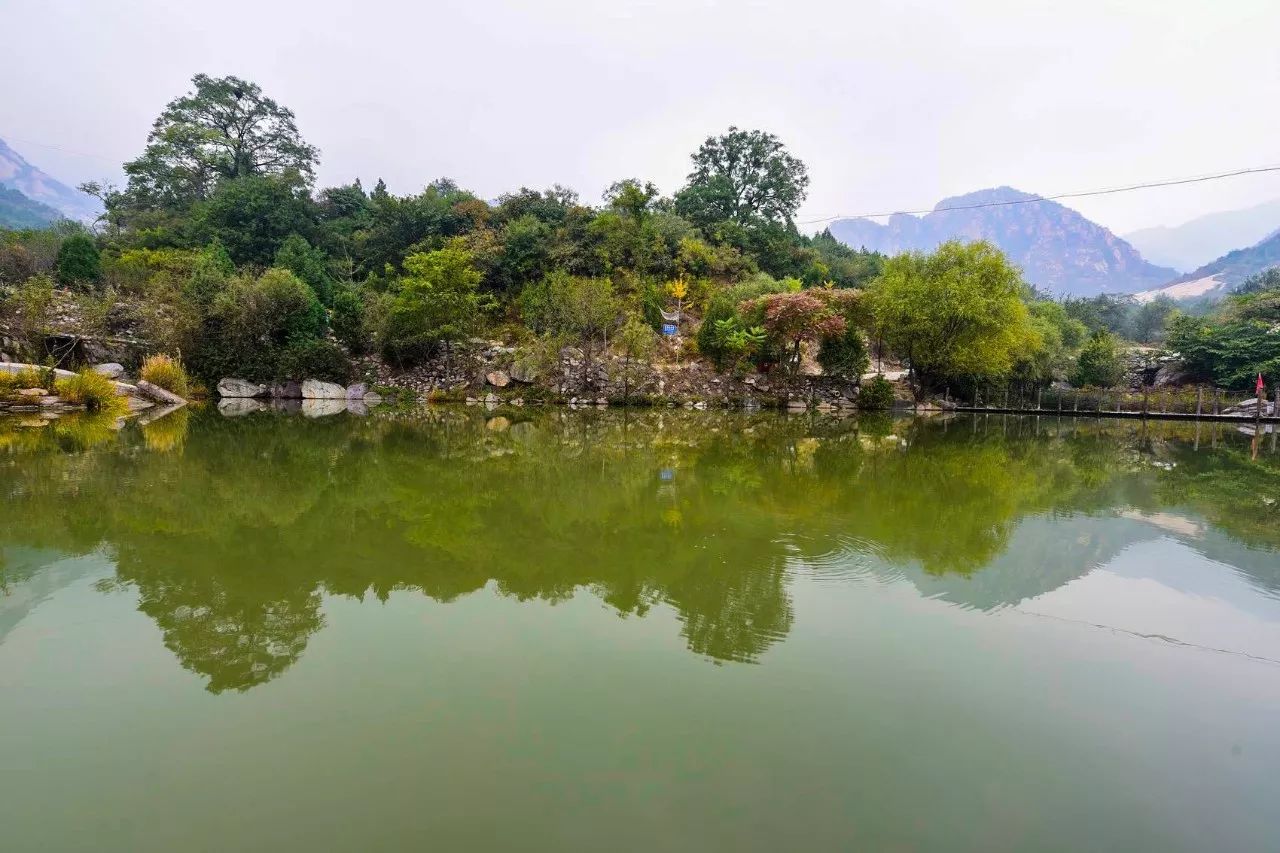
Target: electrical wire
1080	194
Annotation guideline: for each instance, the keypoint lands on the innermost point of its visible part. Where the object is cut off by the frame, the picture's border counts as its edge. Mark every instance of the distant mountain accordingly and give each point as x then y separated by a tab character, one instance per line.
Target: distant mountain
1223	275
16	173
18	211
1193	244
1058	249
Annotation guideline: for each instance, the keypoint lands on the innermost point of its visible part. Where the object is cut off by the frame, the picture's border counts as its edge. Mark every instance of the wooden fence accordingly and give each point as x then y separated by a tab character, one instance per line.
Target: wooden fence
1172	403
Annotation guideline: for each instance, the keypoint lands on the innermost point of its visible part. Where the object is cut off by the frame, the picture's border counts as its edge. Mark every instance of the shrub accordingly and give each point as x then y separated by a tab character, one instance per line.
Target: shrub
348	320
437	305
27	378
1099	364
168	373
30	308
92	390
307	263
252	322
714	339
876	395
844	355
314	359
78	260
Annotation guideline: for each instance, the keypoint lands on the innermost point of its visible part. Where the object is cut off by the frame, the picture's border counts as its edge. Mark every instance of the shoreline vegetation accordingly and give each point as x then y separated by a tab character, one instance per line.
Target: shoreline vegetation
220	260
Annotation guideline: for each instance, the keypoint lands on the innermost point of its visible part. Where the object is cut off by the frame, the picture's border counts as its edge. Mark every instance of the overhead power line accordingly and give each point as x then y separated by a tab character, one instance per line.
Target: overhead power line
1081	194
22	141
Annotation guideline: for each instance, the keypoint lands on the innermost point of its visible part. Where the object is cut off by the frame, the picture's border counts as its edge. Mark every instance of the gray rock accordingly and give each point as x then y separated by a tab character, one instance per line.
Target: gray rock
153	415
357	391
357	407
323	407
498	379
290	390
525	374
111	370
235	407
241	389
372	398
137	404
314	389
1170	373
159	395
20	367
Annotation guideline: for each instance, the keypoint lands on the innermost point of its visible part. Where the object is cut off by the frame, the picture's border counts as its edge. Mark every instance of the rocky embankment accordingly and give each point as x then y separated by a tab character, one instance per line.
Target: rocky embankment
492	372
311	397
41	404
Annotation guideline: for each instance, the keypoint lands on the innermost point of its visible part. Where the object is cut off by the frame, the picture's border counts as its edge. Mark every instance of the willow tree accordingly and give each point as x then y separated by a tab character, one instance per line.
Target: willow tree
956	313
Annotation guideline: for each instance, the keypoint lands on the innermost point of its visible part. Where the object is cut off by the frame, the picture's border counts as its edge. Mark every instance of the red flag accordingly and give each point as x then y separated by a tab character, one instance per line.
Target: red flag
1260	386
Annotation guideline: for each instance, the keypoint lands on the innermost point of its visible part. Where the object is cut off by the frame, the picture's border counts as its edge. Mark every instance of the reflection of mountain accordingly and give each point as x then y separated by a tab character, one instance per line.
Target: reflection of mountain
30	576
234	535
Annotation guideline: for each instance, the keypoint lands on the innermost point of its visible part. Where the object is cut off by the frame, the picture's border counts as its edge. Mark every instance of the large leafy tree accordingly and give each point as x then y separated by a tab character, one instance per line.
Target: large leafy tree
226	128
955	313
438	304
743	176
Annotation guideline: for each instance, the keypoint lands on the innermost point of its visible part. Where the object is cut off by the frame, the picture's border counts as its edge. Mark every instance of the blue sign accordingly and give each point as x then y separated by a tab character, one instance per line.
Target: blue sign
668	328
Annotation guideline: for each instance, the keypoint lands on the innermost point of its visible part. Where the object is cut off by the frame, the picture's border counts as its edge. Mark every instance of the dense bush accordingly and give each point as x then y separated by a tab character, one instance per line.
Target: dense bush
1099	364
252	322
719	337
844	355
876	394
78	261
314	359
438	305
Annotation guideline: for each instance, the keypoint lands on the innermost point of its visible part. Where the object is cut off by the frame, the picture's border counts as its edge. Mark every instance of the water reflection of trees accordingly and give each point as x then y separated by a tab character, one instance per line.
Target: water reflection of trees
232	531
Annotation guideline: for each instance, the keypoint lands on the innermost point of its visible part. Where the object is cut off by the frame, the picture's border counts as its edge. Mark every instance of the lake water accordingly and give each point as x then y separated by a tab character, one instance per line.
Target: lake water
673	630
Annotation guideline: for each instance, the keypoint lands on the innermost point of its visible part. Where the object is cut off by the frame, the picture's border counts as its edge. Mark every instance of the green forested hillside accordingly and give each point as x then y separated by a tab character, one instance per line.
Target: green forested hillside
18	211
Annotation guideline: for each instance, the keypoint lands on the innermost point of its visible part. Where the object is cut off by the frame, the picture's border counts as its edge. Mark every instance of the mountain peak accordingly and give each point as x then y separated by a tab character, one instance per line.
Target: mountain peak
1058	249
994	195
17	174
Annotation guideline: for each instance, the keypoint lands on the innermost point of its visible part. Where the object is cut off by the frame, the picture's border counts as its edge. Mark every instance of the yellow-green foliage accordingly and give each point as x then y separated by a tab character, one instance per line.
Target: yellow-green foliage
11	382
168	373
92	390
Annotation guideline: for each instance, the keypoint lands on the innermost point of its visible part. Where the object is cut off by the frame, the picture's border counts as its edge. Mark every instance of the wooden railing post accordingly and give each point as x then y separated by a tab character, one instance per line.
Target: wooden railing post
1199	400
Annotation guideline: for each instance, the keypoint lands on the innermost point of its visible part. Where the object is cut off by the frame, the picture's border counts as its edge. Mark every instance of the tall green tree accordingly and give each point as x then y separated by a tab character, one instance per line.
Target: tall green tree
743	176
225	128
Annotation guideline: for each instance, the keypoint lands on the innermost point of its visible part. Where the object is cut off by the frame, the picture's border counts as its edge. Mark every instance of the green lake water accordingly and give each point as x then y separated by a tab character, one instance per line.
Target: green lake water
646	630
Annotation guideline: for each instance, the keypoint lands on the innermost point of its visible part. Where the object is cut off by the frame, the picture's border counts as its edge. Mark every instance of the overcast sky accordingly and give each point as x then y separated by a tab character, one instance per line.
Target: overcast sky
893	104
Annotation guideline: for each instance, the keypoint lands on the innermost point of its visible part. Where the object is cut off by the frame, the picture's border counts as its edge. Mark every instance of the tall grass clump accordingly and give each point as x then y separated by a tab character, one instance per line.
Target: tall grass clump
92	390
168	373
12	382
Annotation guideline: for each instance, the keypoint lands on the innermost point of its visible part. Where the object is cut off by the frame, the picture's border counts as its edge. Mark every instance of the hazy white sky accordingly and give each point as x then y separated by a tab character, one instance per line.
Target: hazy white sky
892	104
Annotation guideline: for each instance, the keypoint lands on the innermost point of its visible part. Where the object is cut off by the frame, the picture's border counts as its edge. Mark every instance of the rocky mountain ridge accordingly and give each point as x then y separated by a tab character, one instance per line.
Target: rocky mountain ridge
1058	249
17	174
